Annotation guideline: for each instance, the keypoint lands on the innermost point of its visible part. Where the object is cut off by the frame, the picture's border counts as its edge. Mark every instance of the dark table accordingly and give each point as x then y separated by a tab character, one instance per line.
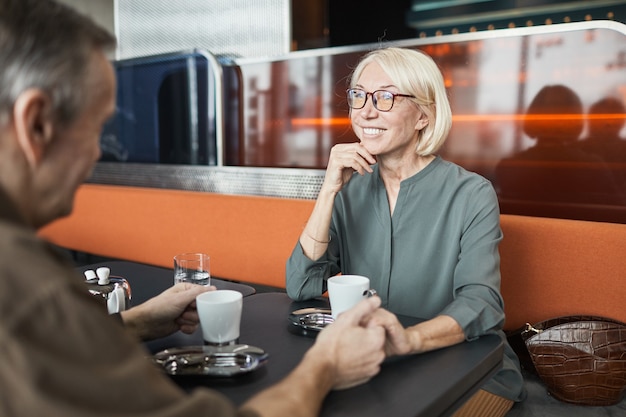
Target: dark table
431	384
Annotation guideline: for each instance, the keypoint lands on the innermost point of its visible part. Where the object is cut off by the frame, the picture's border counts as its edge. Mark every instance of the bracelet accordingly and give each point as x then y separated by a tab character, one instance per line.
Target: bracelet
319	241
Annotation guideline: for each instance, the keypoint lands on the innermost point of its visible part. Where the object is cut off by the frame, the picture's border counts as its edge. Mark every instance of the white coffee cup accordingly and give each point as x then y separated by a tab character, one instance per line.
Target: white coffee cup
344	291
220	316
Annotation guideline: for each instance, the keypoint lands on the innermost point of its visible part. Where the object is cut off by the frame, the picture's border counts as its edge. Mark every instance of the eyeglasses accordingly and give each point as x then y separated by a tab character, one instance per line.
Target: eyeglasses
382	99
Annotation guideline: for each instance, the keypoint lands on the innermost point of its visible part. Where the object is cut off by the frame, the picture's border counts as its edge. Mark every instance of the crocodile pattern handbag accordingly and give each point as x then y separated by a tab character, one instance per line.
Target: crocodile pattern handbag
581	359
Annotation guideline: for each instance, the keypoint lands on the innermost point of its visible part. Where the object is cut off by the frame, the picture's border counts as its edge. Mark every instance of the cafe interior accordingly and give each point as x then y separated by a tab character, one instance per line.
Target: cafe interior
226	114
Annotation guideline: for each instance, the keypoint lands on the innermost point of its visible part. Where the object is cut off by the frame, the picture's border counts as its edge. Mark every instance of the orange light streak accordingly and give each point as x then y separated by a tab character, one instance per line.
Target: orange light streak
465	118
333	121
515	117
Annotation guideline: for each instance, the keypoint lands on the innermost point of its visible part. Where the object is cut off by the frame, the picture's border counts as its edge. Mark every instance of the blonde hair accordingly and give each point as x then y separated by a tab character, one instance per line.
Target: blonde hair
415	73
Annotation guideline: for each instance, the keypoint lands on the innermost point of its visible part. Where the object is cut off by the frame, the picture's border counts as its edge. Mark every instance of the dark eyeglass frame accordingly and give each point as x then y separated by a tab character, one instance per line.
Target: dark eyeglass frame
349	91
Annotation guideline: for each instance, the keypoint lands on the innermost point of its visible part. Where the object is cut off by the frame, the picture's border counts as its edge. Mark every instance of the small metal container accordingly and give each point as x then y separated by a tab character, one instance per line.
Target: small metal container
114	290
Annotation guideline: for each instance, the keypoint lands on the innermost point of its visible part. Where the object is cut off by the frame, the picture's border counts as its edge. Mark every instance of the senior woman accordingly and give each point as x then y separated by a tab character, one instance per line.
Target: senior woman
424	230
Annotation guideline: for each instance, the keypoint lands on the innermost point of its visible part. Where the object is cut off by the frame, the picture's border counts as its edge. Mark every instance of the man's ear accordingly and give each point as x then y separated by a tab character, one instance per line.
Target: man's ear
34	124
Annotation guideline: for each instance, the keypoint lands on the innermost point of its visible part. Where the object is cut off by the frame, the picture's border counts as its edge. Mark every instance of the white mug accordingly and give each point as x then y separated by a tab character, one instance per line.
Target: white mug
344	291
220	316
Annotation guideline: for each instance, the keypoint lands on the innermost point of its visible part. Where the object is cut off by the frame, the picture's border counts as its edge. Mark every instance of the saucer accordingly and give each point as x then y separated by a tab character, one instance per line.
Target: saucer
309	321
211	361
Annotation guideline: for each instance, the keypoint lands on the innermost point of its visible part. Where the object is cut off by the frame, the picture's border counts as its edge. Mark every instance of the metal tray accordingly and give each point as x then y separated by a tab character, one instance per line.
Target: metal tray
309	321
210	361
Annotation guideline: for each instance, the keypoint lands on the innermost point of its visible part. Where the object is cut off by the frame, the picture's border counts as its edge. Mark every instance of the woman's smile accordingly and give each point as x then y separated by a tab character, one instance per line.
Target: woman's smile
373	131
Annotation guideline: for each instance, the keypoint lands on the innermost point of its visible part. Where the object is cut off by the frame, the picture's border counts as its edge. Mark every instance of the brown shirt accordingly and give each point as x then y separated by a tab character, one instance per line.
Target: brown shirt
60	352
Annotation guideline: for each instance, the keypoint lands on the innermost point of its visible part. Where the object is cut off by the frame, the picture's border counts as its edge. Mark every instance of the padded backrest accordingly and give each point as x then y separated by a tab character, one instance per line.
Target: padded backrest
248	238
553	267
550	267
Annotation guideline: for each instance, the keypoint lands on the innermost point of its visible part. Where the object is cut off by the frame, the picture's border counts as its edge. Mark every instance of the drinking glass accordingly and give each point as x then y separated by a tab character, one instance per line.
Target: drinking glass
192	267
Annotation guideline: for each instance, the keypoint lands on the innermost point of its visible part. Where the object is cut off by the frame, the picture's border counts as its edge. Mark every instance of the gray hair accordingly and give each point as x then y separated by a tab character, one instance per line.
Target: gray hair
46	45
415	73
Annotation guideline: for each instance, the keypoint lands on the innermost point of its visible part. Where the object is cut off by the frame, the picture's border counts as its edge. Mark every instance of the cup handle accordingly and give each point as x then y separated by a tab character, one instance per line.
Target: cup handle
369	293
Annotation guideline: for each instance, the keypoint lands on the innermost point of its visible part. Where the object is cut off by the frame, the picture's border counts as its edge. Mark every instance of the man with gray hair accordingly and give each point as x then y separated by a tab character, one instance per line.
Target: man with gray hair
61	354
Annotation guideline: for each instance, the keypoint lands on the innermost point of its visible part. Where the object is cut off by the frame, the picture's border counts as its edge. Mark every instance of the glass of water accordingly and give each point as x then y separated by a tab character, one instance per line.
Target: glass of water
192	267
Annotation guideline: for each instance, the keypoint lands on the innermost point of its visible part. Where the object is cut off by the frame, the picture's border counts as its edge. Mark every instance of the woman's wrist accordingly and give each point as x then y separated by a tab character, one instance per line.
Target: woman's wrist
416	341
320	240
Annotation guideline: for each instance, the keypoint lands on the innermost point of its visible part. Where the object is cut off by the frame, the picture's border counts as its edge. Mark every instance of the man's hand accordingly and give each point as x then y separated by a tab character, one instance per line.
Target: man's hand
397	341
354	348
345	354
172	310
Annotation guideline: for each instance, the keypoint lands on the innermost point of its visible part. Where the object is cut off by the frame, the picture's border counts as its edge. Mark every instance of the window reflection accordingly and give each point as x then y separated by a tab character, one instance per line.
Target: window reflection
297	112
556	169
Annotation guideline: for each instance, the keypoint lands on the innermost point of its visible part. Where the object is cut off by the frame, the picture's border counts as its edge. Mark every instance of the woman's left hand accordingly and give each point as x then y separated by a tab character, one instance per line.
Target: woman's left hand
397	338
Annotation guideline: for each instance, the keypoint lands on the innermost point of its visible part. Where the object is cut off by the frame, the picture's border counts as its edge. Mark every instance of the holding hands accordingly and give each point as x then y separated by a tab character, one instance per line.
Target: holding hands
354	347
397	338
436	333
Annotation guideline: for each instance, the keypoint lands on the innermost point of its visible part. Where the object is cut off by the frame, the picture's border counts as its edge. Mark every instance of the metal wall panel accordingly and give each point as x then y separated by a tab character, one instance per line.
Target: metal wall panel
267	182
233	28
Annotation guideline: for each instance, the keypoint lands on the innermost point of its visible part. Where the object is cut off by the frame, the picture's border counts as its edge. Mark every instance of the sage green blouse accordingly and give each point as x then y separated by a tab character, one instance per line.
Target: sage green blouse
437	255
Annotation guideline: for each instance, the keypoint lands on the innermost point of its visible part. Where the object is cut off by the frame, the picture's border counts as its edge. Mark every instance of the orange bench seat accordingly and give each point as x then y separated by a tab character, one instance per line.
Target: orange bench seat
550	267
